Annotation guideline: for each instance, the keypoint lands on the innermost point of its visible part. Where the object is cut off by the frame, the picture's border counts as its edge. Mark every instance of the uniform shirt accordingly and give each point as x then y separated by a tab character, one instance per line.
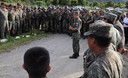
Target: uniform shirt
77	23
2	16
11	15
105	65
120	28
17	15
116	38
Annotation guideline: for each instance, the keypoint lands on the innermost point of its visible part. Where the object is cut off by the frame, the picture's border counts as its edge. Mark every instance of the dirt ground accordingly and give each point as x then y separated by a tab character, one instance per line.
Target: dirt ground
60	49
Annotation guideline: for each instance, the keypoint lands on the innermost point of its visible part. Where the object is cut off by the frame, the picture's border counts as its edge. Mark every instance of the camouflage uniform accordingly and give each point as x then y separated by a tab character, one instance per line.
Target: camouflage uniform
11	19
17	22
116	43
103	66
119	27
24	21
118	35
77	23
44	19
7	25
3	23
107	64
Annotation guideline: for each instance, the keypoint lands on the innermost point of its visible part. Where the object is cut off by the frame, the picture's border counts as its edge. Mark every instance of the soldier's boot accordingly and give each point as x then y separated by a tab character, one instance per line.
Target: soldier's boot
74	56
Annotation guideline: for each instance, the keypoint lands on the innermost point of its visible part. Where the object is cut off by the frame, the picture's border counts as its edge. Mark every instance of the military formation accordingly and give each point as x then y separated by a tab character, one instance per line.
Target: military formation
104	32
19	19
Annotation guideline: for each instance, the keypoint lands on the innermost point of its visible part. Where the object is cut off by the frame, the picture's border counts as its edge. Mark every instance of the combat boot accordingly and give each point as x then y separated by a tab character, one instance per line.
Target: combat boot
74	56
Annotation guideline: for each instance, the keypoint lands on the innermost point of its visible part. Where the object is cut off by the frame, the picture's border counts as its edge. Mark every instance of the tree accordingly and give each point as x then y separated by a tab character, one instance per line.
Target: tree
81	2
109	4
127	4
48	2
74	2
119	5
65	2
55	2
95	3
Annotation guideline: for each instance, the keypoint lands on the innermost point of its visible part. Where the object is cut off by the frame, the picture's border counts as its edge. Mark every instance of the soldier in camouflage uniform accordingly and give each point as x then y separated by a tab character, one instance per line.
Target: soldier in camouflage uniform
28	20
17	21
75	29
87	20
7	25
11	19
24	19
103	66
118	41
57	16
44	19
3	20
118	25
20	17
36	14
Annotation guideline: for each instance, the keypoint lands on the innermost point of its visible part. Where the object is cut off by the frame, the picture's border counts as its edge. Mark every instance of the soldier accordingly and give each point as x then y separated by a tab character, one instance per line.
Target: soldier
115	43
118	41
57	19
3	20
40	18
11	19
36	18
17	21
19	6
33	18
103	66
75	29
87	19
44	19
118	25
49	17
7	25
28	20
24	20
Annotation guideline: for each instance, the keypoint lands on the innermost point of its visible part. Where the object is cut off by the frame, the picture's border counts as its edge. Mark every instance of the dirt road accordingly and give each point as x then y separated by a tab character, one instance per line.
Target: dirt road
60	49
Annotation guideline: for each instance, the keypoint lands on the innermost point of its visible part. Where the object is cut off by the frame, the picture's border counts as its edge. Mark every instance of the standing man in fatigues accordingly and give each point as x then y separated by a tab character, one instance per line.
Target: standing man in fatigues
3	20
11	19
75	29
107	63
17	21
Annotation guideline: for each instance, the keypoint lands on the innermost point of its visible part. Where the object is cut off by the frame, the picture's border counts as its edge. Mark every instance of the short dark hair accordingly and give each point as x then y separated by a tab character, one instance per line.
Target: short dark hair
36	61
102	41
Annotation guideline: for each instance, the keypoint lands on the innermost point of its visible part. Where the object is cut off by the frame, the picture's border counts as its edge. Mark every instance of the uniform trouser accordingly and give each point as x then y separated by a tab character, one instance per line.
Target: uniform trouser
86	27
2	29
37	26
76	46
17	26
126	35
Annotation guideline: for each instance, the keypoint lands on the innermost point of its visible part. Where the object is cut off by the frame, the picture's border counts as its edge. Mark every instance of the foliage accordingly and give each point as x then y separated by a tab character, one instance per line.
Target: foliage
109	4
68	2
127	4
82	2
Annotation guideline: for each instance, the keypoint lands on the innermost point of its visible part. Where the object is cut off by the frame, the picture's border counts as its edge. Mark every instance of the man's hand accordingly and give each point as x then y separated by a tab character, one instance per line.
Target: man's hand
123	51
71	28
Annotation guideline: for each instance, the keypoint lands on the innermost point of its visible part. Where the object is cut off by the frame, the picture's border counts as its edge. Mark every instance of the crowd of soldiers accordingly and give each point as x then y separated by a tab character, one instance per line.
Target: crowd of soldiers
18	19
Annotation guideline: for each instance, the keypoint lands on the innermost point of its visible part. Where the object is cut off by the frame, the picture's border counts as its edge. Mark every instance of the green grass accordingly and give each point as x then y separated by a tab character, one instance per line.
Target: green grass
13	43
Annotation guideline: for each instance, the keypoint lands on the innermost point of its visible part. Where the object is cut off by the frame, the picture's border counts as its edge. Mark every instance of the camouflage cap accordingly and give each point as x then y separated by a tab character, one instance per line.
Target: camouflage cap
100	28
118	13
110	16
